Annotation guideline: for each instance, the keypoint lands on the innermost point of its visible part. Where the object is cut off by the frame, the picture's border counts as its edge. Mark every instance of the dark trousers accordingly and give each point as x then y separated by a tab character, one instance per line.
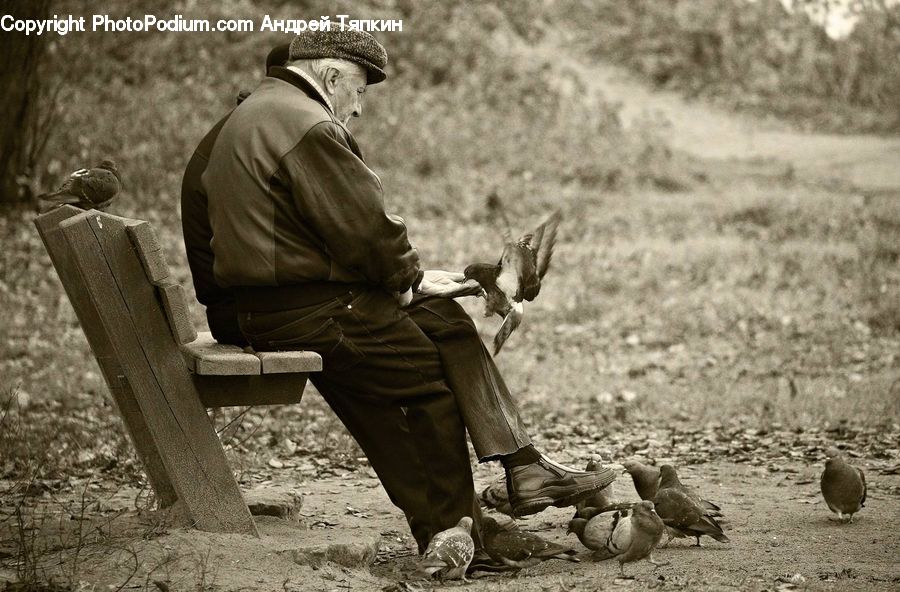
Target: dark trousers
406	383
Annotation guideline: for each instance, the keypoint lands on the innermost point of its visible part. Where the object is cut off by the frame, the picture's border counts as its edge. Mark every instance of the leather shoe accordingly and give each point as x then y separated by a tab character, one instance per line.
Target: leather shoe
533	488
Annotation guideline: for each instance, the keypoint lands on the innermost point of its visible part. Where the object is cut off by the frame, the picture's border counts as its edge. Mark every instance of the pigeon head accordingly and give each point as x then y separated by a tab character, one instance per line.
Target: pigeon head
577	525
632	466
466	523
645	507
668	477
831	452
592	465
110	166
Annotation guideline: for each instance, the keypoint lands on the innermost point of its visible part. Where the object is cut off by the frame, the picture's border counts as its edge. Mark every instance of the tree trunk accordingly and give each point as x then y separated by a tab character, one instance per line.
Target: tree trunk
21	85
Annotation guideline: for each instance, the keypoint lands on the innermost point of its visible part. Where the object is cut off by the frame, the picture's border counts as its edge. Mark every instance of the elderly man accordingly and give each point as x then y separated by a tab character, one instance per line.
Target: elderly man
300	239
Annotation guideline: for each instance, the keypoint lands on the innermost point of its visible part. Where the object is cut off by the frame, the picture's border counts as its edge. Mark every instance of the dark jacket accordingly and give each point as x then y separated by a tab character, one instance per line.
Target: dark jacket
221	307
292	201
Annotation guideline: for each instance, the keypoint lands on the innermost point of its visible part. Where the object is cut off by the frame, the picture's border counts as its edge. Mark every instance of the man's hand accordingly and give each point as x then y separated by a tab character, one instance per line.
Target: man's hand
447	284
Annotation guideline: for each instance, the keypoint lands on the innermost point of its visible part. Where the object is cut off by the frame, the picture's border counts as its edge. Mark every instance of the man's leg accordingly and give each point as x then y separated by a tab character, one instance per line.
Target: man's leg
491	415
375	355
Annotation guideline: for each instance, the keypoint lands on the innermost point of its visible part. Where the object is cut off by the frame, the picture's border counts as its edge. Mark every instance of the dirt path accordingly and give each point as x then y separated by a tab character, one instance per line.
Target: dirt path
866	162
777	522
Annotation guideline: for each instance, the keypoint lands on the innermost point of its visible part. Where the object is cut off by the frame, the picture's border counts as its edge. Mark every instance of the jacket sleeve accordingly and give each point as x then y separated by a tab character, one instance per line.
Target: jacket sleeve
343	201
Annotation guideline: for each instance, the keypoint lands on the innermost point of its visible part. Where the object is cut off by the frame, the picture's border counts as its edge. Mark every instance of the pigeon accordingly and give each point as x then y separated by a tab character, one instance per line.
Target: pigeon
518	274
88	188
843	485
496	497
519	549
683	515
646	483
241	96
601	499
645	477
628	534
450	551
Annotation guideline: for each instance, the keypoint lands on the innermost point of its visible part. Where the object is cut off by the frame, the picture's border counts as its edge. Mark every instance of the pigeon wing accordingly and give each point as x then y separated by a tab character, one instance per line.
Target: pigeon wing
449	549
512	320
545	239
99	186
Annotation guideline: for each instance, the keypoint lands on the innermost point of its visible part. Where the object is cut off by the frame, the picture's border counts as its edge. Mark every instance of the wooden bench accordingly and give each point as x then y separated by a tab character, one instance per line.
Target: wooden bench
160	372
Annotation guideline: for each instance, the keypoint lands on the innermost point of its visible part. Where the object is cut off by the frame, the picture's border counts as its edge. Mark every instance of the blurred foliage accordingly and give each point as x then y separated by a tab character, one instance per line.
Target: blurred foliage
758	54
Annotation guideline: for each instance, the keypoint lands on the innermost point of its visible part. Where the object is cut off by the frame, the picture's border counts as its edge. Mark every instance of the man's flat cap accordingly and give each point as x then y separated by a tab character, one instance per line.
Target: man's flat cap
358	47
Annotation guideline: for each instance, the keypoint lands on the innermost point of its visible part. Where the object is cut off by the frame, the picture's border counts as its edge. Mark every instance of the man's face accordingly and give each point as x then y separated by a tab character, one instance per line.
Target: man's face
346	91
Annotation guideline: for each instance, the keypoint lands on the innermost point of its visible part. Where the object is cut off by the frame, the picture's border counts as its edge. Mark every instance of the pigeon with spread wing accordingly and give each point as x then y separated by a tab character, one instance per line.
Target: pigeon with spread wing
518	274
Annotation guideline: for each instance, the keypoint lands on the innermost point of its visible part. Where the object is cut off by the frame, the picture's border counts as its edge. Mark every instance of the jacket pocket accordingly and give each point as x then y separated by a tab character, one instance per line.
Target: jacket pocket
327	340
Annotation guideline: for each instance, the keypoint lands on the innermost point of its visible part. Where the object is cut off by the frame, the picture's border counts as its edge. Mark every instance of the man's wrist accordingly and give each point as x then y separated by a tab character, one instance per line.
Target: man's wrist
416	282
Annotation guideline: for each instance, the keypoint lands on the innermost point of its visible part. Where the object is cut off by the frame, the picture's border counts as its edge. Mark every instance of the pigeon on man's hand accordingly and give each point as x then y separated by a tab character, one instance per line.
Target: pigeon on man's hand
843	485
450	551
87	188
519	549
518	274
683	515
628	534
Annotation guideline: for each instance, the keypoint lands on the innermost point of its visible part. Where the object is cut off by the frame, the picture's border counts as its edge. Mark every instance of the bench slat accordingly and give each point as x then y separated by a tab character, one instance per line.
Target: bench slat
240	391
205	356
148	249
176	307
290	361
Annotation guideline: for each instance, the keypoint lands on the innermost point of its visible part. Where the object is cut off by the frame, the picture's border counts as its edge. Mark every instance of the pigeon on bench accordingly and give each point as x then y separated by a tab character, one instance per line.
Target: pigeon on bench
629	534
843	485
87	188
518	274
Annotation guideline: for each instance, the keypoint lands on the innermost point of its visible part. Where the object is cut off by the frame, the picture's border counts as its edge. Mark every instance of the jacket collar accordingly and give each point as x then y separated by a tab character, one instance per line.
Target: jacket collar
296	78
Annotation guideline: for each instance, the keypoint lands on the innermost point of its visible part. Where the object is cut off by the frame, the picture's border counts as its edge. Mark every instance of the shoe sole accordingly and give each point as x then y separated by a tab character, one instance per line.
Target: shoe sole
548	498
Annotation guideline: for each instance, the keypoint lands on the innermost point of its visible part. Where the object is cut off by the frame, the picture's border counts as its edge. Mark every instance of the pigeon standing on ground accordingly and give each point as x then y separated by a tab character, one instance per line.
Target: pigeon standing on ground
628	534
88	188
450	551
516	548
518	274
601	499
843	485
709	507
683	515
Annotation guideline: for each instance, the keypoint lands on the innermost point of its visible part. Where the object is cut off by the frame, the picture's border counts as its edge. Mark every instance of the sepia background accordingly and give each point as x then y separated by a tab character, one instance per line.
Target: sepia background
725	291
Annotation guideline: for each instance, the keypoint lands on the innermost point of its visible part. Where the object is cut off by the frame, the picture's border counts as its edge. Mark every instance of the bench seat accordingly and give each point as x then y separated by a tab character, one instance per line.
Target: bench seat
206	357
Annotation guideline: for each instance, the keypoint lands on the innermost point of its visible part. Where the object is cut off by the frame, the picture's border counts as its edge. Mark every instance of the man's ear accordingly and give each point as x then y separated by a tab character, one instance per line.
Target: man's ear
331	76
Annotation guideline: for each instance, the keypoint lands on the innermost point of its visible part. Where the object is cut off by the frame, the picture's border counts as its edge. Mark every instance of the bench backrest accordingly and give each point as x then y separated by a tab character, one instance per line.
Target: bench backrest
135	319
